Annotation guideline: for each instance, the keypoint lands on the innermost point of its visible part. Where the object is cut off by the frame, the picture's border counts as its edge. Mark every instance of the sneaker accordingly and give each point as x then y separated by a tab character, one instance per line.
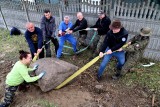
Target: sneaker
99	78
116	76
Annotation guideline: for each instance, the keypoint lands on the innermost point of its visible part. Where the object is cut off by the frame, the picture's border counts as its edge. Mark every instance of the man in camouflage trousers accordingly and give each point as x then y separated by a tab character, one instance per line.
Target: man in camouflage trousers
134	51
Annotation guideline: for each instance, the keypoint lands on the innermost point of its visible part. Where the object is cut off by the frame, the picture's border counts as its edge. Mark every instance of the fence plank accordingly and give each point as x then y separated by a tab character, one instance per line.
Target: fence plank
150	11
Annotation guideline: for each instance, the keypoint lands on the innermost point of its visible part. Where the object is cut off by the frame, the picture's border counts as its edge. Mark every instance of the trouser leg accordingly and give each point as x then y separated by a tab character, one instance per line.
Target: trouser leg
73	41
82	39
9	95
56	44
100	42
47	47
61	44
121	60
41	55
104	64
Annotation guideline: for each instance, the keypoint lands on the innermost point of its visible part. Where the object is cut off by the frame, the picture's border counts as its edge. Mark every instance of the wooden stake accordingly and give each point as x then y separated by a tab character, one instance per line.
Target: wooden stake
153	99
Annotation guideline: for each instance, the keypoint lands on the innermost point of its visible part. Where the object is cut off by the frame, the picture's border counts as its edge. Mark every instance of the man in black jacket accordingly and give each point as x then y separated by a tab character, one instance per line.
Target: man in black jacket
102	27
112	45
48	27
80	24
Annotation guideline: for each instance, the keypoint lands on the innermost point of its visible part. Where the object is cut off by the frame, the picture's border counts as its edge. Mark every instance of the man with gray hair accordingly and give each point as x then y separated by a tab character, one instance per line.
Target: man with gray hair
80	24
63	36
34	38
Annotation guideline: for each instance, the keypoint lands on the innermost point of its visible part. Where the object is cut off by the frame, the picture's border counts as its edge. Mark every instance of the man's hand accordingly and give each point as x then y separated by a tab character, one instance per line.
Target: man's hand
109	51
129	43
41	74
60	33
120	49
39	50
35	54
87	28
70	31
35	67
101	54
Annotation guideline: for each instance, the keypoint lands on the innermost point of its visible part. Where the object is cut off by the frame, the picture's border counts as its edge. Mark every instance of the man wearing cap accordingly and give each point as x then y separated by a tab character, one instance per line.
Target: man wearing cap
135	49
102	27
80	24
112	46
48	27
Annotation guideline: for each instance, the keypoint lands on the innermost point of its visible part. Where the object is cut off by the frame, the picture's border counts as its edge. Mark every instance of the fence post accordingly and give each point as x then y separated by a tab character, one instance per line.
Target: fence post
26	10
4	21
111	14
60	11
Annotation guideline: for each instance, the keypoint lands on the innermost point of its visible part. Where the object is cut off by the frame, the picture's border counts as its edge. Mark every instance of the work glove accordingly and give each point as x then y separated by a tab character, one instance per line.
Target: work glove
35	67
41	74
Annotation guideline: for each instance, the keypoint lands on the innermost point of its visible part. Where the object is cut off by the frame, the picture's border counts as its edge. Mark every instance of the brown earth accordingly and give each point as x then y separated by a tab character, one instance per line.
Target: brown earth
84	91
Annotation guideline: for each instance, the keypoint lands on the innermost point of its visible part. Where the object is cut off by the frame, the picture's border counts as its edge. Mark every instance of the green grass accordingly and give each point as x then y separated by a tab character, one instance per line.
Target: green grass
10	45
148	77
45	103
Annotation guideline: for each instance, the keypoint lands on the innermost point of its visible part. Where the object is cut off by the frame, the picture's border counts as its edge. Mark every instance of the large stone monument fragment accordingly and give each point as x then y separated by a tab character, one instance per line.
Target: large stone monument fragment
56	72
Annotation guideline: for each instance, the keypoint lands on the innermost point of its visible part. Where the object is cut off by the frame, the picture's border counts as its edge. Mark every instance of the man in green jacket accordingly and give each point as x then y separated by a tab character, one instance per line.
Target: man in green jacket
18	75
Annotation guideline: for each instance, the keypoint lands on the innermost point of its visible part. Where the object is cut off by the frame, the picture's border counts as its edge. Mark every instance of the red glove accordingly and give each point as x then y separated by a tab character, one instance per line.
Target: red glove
63	33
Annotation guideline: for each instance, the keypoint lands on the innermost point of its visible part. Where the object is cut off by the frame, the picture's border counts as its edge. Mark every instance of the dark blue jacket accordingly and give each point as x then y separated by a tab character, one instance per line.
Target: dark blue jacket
114	40
48	26
79	25
34	38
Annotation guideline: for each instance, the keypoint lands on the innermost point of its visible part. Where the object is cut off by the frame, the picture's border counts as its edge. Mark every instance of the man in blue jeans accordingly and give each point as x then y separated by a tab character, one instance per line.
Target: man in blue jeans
112	45
63	28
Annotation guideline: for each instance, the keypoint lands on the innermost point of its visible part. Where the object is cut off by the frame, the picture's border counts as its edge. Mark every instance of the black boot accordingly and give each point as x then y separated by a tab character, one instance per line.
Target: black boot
4	105
117	75
99	78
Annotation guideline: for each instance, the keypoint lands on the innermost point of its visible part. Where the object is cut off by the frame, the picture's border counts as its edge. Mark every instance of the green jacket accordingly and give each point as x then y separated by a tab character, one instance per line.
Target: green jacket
138	44
134	52
19	74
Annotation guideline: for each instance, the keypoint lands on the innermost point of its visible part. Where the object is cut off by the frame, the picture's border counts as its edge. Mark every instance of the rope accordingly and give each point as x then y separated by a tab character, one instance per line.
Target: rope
83	49
86	66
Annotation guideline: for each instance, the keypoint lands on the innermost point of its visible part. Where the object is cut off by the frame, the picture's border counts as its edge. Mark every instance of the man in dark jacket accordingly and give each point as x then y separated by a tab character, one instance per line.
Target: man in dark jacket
48	27
80	24
102	27
136	49
112	46
34	38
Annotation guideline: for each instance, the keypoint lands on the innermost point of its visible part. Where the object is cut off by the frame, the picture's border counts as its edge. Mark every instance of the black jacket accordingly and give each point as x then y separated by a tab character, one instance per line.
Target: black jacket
114	40
79	25
48	26
102	25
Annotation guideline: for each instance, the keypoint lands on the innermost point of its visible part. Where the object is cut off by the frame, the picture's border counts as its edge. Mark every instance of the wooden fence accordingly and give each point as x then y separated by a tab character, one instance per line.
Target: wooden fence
134	16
